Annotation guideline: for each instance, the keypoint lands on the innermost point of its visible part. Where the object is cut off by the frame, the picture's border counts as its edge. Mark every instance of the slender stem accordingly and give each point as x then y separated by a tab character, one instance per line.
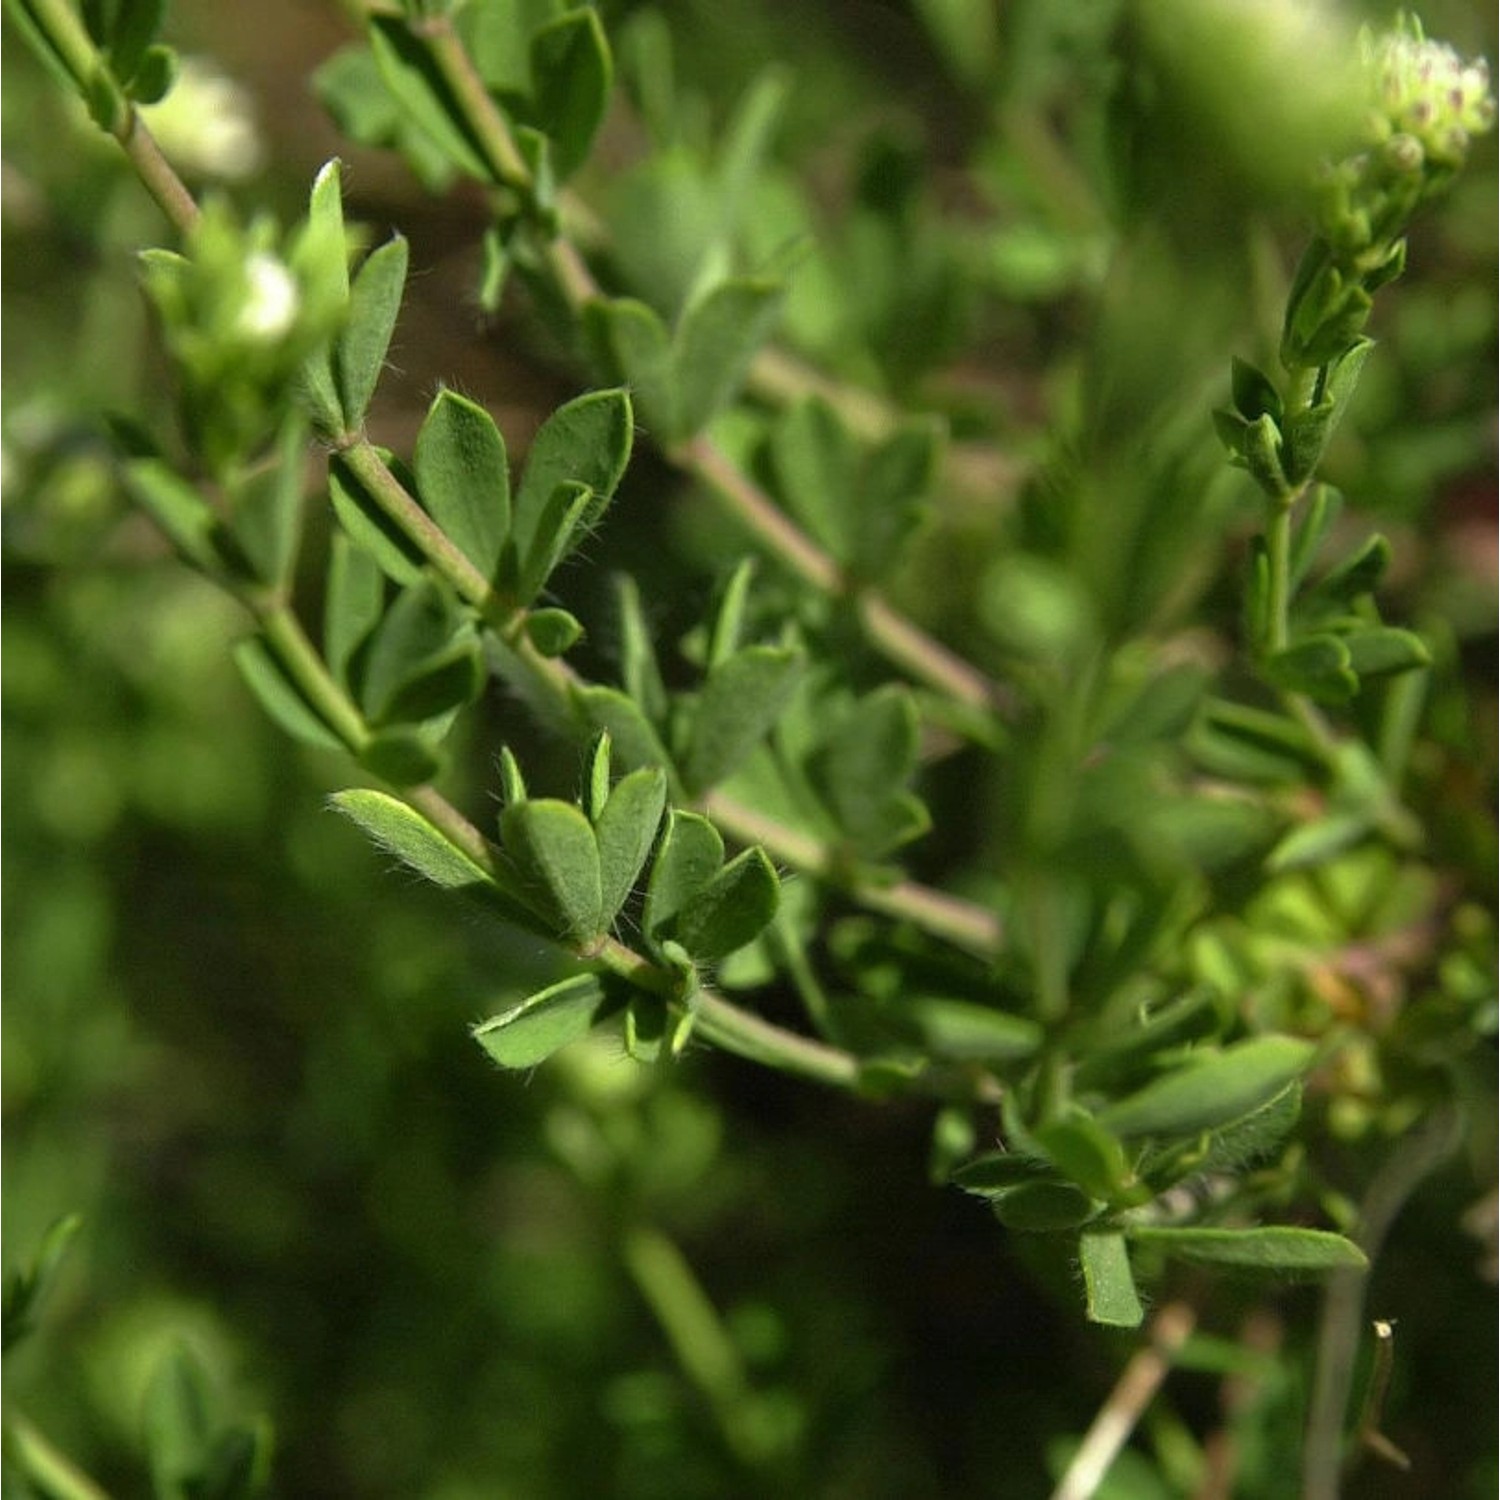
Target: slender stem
54	1474
693	1327
286	637
1127	1403
448	52
962	922
158	174
757	1040
1278	556
59	23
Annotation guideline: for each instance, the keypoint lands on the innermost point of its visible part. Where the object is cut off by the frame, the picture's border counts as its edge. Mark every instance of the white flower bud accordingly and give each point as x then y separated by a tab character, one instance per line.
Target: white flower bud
271	307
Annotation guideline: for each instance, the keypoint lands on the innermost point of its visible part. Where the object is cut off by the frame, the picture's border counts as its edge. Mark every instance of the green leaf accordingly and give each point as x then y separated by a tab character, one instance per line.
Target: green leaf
740	702
405	833
281	698
1253	393
137	23
374	302
999	1172
966	1032
189	521
733	909
1318	515
352	606
573	75
1207	1091
1383	651
401	756
156	76
632	345
177	1424
1279	1251
816	462
887	506
1309	432
541	1024
28	1284
1108	1281
690	855
448	680
625	831
863	766
462	478
1089	1155
553	631
1252	744
636	742
566	520
585	442
639	669
268	507
369	526
414	79
1318	665
1263	457
596	777
422	660
553	848
729	616
719	336
1356	576
1318	842
1045	1208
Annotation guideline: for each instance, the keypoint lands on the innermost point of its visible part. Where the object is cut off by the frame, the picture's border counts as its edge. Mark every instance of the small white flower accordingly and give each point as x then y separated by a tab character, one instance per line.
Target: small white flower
1427	93
270	309
206	124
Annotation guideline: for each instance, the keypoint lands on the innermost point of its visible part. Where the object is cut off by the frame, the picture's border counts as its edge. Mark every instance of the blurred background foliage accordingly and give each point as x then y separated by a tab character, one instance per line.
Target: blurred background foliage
234	1043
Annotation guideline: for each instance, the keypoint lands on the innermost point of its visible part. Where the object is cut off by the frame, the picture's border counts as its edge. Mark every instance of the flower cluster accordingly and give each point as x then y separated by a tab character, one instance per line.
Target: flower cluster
1429	102
1426	104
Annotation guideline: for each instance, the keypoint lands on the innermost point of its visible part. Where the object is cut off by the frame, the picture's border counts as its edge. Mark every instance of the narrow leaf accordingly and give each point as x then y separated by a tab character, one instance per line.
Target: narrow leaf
625	831
541	1024
413	78
631	344
352	605
1108	1281
405	833
585	442
280	697
268	507
369	526
1317	665
1211	1090
1280	1251
1087	1153
462	478
374	302
571	64
966	1032
564	523
1045	1208
719	336
1382	651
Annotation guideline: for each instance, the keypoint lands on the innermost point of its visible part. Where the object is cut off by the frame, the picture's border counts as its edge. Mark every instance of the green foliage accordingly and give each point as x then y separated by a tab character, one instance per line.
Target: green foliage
962	794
